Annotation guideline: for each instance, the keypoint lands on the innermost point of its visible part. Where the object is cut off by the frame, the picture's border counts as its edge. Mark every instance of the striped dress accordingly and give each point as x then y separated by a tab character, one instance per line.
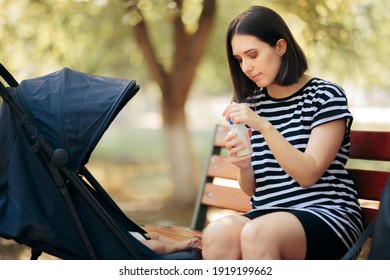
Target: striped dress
333	198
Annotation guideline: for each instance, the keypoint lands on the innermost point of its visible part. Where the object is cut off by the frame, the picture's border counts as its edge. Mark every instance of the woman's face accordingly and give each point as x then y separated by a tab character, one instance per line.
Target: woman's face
259	61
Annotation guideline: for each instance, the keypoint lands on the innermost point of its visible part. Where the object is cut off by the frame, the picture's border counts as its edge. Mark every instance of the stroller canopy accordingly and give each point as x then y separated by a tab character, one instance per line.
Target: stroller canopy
74	109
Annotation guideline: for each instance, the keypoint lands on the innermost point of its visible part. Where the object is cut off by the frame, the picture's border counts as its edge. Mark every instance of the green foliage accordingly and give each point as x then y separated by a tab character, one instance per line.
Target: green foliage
159	17
89	36
345	40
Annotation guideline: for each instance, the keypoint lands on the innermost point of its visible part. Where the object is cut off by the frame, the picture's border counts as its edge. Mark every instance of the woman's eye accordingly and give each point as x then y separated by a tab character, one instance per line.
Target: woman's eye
253	55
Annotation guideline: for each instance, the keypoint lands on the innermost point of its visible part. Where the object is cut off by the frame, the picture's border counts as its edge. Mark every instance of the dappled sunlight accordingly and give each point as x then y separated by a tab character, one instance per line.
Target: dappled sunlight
134	187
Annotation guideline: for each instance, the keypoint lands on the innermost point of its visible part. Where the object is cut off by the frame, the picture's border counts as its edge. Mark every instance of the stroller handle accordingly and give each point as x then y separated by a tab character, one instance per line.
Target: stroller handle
4	93
10	81
6	75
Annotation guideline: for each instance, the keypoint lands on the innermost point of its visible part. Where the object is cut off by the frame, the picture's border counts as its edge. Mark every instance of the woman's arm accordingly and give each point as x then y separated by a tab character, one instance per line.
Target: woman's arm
246	180
307	167
304	167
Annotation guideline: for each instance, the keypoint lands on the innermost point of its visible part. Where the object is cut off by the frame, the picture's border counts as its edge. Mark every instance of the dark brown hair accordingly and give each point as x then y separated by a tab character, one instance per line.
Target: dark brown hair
269	27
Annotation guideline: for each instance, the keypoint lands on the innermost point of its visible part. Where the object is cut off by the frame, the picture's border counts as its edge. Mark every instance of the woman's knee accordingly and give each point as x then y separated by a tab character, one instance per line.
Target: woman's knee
257	242
221	238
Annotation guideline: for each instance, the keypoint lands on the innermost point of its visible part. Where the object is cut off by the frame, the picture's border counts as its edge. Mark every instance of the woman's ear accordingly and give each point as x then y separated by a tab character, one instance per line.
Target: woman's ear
281	46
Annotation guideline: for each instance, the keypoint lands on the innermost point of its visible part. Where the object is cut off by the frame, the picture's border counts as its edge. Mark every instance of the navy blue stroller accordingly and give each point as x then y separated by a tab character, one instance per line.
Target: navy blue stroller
49	201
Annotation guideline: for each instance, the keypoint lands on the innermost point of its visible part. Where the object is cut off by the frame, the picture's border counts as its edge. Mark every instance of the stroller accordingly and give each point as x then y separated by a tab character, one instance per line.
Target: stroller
49	201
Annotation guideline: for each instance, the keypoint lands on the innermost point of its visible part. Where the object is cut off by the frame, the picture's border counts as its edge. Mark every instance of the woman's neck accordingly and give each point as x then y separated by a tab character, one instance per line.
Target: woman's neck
279	92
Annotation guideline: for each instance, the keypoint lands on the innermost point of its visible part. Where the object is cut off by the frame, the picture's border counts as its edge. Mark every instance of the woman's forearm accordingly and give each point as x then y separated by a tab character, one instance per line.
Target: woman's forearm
246	180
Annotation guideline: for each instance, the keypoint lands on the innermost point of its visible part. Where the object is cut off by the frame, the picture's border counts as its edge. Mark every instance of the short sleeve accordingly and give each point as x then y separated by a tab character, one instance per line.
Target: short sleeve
331	104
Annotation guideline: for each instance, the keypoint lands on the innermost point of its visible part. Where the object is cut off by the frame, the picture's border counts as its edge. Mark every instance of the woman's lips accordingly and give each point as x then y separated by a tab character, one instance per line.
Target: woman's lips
254	77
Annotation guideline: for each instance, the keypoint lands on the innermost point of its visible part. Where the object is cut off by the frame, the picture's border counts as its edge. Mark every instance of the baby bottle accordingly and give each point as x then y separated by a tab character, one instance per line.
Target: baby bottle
242	133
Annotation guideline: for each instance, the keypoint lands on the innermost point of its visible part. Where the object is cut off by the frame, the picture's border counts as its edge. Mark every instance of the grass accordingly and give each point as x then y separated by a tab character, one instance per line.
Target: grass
145	145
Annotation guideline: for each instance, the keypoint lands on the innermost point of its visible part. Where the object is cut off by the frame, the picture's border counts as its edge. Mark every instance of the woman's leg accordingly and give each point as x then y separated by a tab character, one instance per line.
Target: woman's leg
278	235
221	238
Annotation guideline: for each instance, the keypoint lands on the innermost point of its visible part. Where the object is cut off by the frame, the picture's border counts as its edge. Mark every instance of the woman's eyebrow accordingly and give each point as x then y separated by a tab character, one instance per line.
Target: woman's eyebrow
250	50
247	51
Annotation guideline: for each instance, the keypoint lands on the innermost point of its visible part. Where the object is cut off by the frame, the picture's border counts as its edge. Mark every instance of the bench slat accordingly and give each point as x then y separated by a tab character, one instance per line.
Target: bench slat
370	145
226	197
369	183
368	215
221	167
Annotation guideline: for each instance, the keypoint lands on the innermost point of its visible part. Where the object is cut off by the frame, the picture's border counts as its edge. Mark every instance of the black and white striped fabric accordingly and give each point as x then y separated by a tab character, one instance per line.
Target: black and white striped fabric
333	198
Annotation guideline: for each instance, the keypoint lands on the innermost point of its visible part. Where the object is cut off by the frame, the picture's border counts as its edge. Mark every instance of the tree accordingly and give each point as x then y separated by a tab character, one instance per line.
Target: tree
175	81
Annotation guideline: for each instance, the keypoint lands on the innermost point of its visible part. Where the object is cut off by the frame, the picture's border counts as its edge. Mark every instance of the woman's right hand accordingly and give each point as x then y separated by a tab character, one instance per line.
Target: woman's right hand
234	145
246	177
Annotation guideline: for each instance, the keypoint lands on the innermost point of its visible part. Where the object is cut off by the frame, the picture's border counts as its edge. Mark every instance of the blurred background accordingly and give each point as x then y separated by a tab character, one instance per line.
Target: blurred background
152	158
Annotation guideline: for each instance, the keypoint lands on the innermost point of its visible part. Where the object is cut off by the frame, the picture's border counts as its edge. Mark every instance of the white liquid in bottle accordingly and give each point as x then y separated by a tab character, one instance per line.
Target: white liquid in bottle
242	133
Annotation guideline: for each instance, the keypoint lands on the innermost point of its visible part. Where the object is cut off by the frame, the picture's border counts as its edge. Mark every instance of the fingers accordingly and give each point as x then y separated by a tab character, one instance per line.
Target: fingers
232	111
238	113
233	146
228	108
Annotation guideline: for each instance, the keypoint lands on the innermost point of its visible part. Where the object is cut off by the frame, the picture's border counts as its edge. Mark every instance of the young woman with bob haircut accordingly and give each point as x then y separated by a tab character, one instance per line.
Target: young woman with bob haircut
304	203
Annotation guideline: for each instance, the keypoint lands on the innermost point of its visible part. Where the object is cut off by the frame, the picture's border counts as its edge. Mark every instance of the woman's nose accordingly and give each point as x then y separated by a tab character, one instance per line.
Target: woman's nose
246	66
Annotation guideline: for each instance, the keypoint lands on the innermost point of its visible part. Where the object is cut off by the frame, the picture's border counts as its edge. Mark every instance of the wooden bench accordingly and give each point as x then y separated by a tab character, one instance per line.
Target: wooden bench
219	192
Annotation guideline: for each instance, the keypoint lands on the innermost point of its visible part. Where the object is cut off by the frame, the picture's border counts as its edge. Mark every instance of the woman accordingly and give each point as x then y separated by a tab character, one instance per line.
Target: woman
304	202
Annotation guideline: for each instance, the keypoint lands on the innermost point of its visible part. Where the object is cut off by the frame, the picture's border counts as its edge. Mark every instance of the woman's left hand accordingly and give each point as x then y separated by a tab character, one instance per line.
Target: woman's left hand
241	113
236	112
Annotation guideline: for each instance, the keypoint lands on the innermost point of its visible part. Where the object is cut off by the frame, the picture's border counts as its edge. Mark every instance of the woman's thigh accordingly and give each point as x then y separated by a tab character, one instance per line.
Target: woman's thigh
277	235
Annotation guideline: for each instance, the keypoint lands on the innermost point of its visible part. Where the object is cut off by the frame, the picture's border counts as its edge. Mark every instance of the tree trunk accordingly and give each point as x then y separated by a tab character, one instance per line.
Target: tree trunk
175	85
183	167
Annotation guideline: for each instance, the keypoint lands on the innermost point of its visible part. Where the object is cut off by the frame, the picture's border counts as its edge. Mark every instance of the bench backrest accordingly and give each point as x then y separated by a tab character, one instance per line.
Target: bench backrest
369	167
220	188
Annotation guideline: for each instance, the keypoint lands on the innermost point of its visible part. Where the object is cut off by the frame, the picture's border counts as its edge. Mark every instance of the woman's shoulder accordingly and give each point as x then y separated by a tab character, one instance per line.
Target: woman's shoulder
319	86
